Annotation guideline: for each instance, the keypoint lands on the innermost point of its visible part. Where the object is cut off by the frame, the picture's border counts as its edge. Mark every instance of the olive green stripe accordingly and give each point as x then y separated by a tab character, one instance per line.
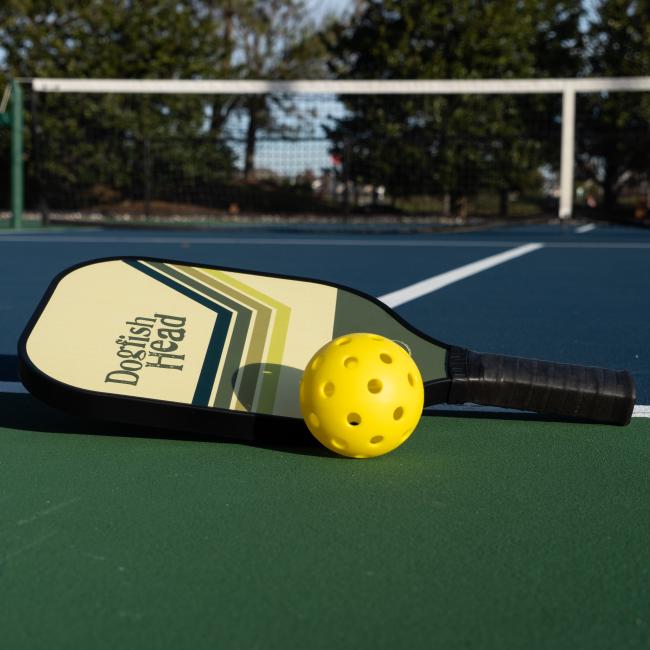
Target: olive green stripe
252	368
357	314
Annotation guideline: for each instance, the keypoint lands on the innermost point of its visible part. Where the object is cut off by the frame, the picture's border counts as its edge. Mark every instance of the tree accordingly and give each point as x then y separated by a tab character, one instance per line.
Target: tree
611	150
273	40
456	145
101	145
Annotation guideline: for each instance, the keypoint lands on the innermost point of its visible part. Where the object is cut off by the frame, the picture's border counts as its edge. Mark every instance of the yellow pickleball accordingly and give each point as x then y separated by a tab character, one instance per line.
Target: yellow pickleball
361	395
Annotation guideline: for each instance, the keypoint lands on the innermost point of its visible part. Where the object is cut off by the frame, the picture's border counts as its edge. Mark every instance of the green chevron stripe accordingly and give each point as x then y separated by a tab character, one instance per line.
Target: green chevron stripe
271	375
252	365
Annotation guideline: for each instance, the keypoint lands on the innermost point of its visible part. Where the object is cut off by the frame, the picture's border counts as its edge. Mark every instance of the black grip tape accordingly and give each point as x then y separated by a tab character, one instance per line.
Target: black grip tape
559	389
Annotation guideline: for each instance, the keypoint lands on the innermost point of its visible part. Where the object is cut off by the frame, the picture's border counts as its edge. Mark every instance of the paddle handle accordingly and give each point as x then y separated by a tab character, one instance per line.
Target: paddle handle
582	392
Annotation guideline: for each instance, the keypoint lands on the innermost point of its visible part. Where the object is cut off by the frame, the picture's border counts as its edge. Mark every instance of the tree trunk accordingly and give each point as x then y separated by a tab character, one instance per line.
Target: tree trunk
503	203
251	138
446	204
458	205
610	185
610	193
219	113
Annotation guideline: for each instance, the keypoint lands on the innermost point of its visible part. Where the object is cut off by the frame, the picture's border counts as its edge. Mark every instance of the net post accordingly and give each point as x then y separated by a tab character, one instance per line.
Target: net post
567	151
17	179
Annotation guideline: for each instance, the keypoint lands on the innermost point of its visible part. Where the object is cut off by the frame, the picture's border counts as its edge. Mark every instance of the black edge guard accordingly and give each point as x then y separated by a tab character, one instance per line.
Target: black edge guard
595	394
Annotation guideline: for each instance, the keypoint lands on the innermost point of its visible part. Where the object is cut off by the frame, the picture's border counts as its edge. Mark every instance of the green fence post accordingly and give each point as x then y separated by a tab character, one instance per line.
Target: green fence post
17	180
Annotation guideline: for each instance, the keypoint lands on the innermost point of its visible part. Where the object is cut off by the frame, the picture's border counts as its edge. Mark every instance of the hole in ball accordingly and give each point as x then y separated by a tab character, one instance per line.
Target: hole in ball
337	443
386	358
354	419
351	362
315	363
328	389
375	386
344	340
397	413
411	380
375	440
313	420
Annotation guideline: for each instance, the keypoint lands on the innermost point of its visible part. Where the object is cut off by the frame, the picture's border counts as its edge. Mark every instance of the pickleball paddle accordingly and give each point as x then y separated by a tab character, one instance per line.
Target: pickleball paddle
217	351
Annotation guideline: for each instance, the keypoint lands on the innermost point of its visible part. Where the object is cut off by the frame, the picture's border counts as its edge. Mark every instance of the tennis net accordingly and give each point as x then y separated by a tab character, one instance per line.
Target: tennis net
145	150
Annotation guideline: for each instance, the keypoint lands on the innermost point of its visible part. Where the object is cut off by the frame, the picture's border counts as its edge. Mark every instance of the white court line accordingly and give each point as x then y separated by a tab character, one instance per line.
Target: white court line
640	410
12	387
424	287
602	245
308	241
588	227
261	241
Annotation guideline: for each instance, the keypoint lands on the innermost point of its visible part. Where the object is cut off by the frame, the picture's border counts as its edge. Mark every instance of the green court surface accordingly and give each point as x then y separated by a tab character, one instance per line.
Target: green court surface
478	532
481	532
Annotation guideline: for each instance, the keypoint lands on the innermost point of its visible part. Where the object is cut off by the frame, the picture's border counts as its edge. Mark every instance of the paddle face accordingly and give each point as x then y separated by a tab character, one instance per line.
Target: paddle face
114	337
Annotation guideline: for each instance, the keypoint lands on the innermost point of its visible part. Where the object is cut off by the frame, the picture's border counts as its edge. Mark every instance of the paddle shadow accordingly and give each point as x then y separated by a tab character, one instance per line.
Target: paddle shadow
22	411
523	416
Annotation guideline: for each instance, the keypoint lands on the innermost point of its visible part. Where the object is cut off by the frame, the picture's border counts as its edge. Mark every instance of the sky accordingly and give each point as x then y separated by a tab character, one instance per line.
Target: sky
320	8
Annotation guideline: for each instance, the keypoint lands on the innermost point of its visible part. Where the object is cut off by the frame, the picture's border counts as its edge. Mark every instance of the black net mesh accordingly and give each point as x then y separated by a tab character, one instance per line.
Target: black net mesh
612	171
131	157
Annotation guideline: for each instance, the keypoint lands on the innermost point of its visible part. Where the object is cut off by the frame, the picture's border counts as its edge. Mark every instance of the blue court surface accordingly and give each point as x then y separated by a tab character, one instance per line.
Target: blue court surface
582	297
